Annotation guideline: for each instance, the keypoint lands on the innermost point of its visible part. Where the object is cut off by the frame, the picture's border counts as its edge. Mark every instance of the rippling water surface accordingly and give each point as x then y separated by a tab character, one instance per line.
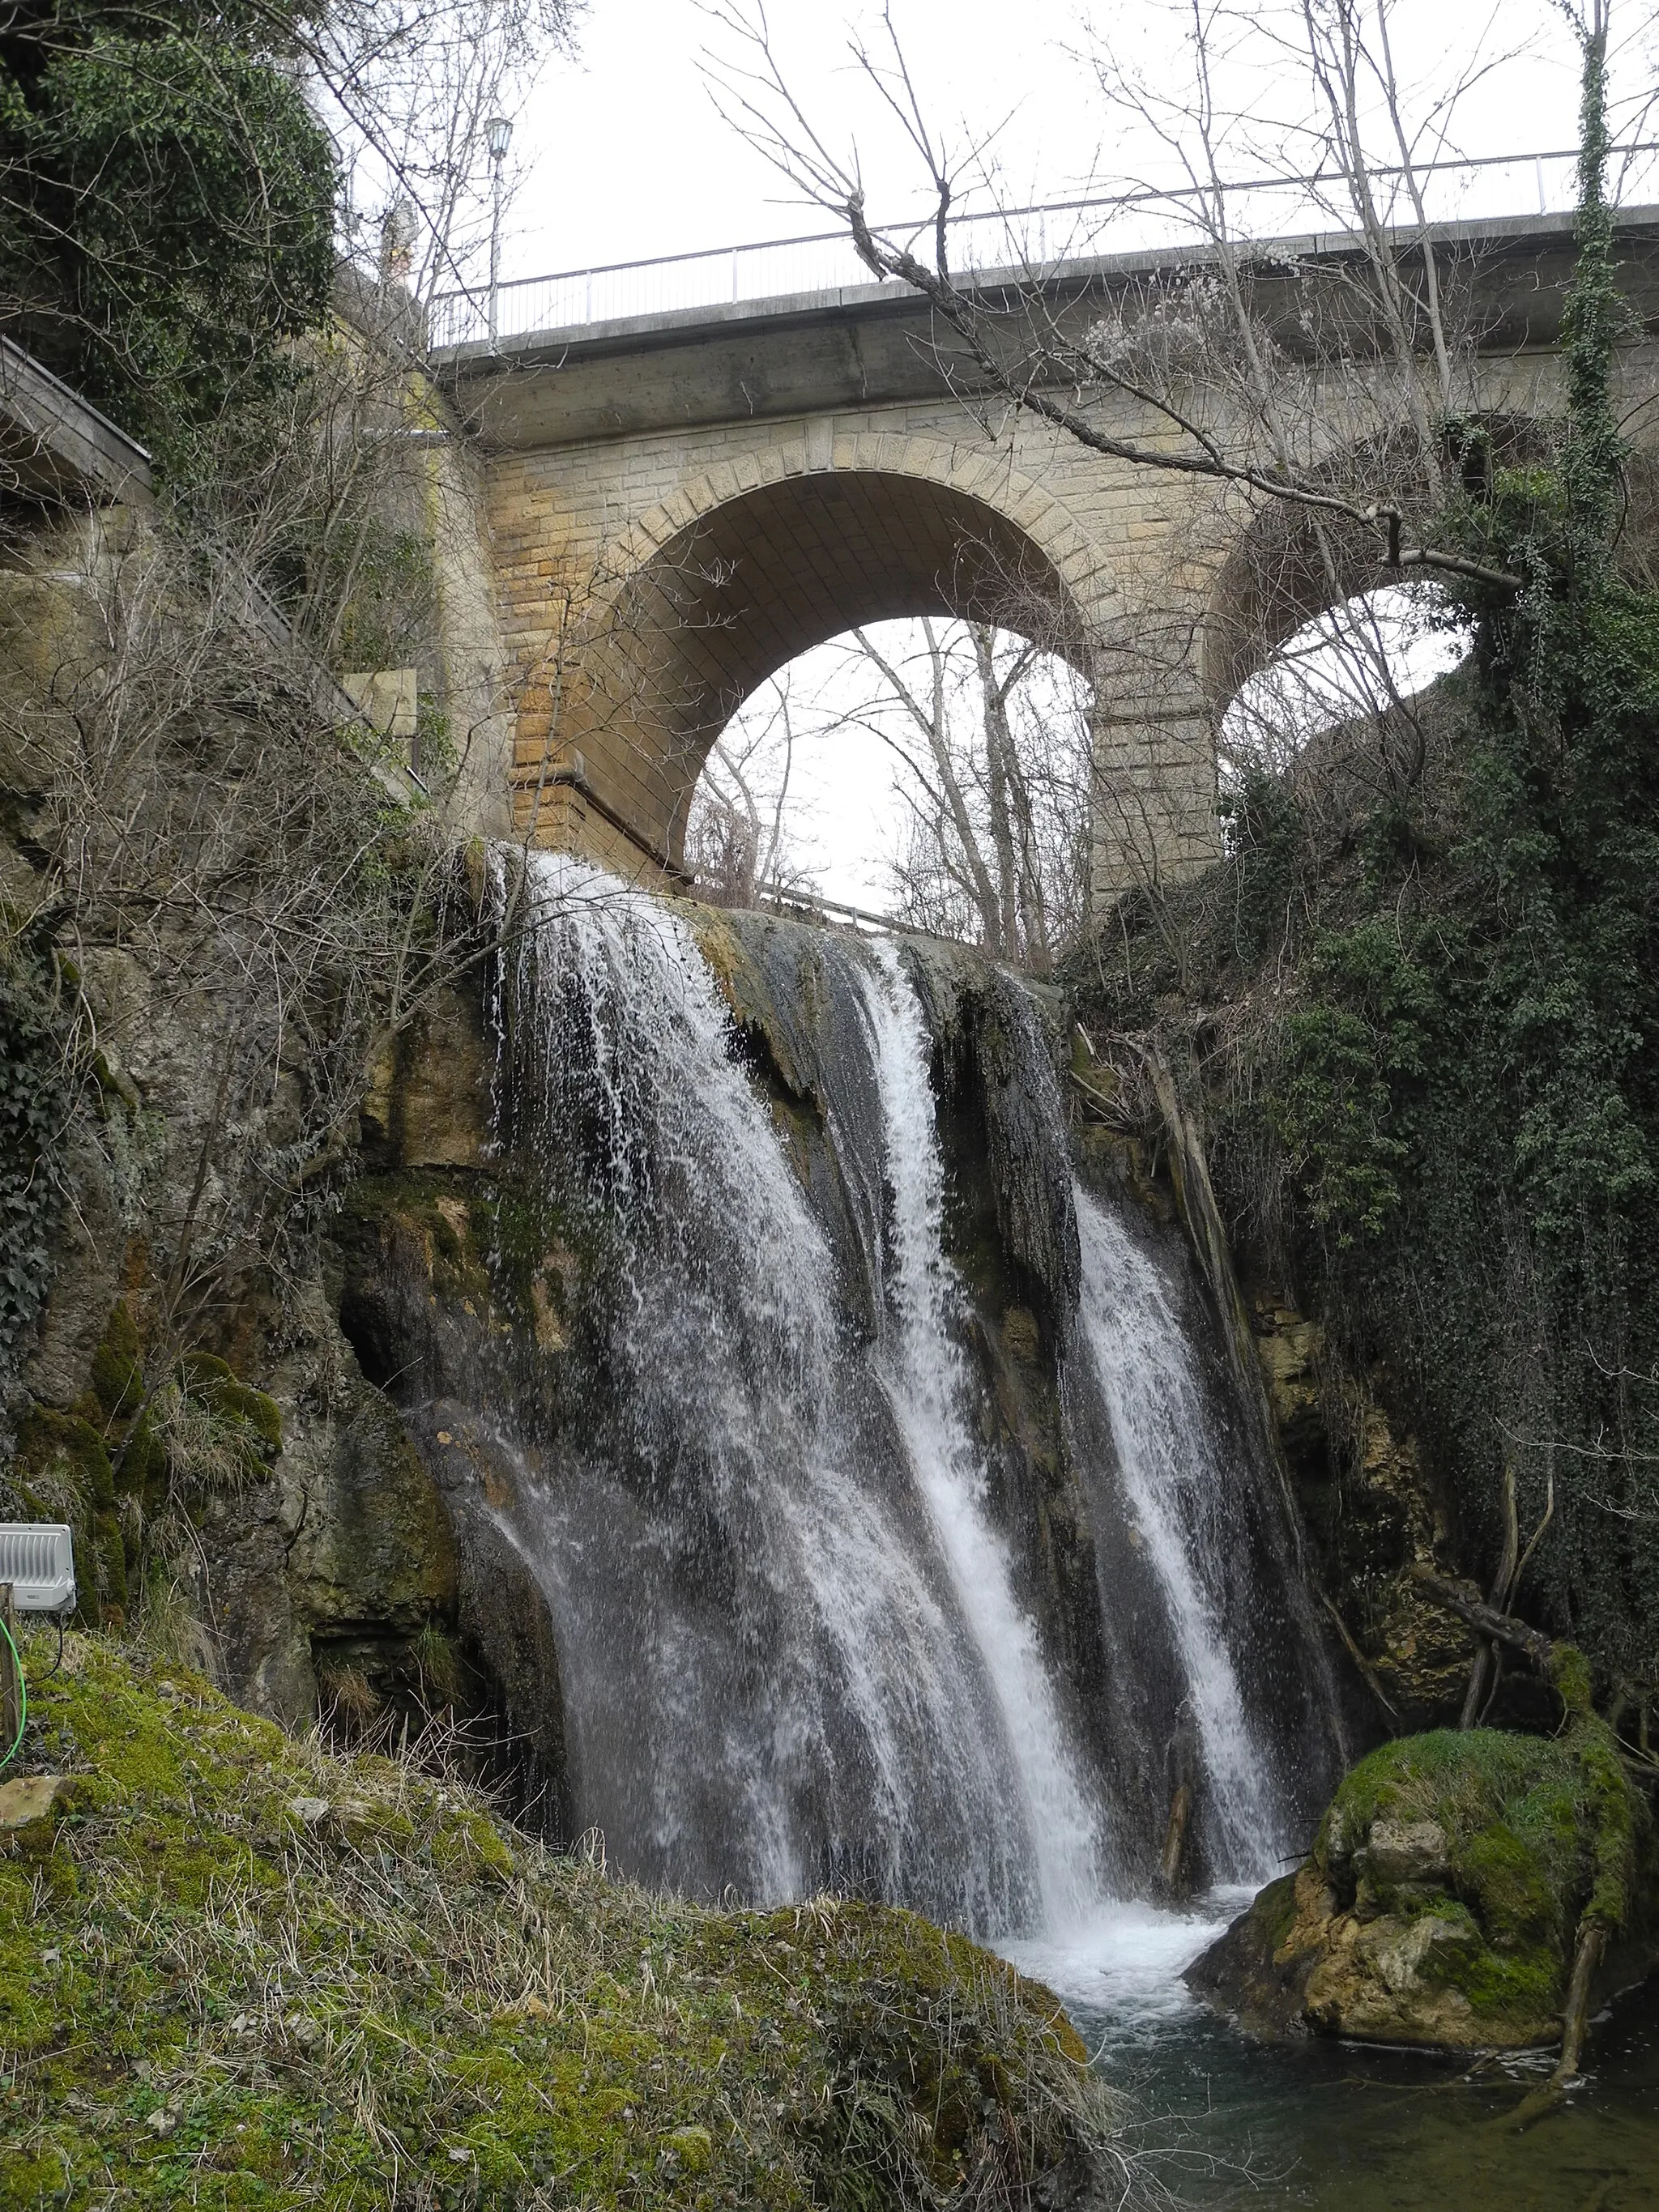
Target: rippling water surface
1229	2122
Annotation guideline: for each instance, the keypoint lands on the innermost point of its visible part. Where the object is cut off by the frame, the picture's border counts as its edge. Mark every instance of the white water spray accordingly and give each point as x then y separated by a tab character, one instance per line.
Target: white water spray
926	1377
1176	1485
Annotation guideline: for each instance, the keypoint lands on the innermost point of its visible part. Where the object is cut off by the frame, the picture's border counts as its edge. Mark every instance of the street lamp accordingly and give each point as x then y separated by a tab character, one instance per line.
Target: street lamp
498	131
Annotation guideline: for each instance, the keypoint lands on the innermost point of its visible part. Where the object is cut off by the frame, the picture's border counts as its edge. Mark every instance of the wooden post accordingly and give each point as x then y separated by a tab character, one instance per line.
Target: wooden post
11	1680
1575	2020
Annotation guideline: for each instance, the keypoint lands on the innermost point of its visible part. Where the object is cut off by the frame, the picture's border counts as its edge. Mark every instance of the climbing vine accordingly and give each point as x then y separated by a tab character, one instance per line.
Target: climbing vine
31	1114
166	204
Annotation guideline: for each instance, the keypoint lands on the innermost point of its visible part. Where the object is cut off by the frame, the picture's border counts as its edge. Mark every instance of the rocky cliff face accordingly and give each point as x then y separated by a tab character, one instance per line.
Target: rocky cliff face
1372	1510
267	1477
176	1384
323	1479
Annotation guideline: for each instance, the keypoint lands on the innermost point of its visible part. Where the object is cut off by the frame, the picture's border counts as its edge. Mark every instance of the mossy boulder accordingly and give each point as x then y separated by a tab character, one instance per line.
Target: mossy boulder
247	1973
1444	1894
211	1383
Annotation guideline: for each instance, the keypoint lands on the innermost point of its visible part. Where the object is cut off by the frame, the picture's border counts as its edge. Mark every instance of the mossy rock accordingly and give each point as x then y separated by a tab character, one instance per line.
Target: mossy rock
50	1444
1444	1892
117	1369
141	1467
248	1972
213	1383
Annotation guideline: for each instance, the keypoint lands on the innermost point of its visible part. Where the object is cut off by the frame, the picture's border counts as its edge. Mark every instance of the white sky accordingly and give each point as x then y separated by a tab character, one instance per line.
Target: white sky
621	155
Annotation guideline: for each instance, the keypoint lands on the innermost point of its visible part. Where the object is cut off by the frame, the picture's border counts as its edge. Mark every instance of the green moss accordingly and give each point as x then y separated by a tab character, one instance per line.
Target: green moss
211	1381
1519	1904
1619	1823
1275	1909
50	1443
118	1374
111	1560
1569	1672
1540	1833
1521	1993
532	1247
140	1465
438	1212
219	1999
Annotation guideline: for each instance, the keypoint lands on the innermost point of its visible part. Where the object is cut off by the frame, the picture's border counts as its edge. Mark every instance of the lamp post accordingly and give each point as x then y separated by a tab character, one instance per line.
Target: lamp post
498	131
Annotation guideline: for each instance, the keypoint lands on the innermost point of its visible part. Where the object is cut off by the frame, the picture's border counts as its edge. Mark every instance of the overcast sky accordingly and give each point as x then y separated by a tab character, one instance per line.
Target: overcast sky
622	154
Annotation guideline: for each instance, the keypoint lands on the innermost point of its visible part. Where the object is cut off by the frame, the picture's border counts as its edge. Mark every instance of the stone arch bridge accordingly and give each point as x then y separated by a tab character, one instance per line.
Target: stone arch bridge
678	504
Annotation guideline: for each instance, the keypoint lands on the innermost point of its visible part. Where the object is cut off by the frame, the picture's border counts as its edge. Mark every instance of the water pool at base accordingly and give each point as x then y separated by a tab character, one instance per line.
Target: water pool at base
1227	2121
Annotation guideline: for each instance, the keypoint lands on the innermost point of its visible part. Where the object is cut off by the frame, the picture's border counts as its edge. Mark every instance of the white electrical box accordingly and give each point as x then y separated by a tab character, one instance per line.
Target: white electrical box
36	1558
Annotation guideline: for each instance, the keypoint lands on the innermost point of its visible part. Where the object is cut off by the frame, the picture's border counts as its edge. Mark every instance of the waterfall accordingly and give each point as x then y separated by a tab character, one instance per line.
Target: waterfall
926	1374
1178	1489
809	1632
770	1680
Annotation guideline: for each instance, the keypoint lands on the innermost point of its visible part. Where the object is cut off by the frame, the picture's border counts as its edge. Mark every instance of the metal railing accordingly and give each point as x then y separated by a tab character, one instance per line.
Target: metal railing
1038	238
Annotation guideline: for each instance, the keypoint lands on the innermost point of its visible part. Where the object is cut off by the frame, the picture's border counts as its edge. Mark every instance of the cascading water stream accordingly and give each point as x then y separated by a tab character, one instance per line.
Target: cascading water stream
1177	1491
926	1374
770	1681
800	1639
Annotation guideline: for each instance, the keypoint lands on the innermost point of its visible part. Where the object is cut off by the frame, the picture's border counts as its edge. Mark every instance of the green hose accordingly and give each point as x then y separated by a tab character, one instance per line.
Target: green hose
23	1697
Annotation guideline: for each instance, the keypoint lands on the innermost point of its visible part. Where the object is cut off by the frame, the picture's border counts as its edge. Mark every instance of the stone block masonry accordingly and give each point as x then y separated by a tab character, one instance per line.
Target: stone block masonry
678	506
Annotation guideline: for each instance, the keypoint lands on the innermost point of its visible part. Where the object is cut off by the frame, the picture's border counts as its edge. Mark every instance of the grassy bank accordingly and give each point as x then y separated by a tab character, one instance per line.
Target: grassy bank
242	1972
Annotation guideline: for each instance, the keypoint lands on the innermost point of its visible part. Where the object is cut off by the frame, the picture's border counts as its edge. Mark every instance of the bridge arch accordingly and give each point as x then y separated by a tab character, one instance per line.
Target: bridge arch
1288	565
720	586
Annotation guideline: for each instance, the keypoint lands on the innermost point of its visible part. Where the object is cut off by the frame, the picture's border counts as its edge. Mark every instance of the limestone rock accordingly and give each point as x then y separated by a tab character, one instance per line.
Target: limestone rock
1421	1652
1441	1902
427	1099
1407	1851
30	1808
1288	1347
1394	1980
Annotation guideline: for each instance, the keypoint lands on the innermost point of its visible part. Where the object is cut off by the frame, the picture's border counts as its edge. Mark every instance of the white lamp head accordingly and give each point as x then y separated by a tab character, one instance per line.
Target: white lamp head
36	1558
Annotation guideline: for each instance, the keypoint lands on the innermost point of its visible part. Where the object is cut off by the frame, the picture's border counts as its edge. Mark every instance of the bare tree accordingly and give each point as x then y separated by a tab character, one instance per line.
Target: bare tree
739	841
995	778
1325	416
1251	425
408	88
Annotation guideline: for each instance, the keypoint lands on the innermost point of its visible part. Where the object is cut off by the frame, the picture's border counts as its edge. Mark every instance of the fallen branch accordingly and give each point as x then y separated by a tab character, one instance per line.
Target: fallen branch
1575	2026
1367	1672
1500	1627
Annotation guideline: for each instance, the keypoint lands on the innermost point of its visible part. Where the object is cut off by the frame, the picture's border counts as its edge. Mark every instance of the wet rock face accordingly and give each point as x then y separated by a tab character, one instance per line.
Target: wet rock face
1373	1510
473	1287
319	1551
1440	1904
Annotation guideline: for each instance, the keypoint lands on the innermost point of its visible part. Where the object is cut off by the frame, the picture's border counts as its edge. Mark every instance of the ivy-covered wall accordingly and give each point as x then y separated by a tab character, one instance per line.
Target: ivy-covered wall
1424	1027
167	203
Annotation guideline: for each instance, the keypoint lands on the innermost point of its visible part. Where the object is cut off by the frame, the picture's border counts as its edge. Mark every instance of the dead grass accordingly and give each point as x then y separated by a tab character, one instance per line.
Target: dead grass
253	1972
